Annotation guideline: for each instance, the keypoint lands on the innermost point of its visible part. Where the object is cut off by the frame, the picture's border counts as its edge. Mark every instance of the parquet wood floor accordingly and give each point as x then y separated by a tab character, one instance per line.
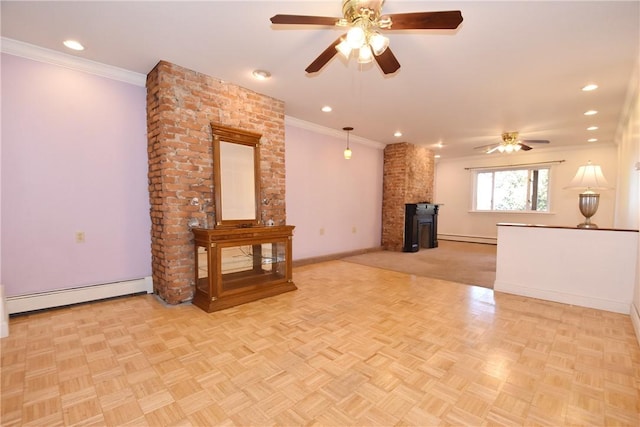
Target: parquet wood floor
354	345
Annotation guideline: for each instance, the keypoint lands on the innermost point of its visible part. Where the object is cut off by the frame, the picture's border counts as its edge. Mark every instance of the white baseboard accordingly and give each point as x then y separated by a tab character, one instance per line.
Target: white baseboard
635	320
59	298
469	239
622	307
4	316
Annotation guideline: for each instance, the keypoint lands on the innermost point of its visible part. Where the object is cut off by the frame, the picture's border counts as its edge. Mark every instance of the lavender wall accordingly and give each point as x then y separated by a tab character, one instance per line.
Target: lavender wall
73	159
325	191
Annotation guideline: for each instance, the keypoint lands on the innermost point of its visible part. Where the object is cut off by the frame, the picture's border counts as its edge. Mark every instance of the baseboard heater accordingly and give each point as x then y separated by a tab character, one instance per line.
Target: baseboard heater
469	239
4	316
63	297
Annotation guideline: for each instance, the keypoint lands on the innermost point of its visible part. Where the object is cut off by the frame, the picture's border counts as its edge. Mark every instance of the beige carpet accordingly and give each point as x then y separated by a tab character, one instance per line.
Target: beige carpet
468	263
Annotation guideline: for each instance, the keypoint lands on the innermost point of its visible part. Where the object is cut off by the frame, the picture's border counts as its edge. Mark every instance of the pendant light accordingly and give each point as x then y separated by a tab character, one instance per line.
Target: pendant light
347	151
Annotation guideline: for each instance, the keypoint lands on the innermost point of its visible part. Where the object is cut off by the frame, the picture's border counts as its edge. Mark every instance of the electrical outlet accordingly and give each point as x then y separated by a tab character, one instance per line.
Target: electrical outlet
79	236
322	231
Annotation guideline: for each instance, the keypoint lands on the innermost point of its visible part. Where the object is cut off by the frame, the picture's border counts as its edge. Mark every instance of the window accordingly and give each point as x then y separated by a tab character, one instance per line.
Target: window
518	189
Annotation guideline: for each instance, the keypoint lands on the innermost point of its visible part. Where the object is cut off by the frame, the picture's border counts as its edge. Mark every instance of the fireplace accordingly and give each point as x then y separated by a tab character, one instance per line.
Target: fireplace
420	226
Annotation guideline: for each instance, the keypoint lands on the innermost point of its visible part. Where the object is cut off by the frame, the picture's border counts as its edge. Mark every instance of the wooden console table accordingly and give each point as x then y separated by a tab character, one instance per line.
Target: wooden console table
238	265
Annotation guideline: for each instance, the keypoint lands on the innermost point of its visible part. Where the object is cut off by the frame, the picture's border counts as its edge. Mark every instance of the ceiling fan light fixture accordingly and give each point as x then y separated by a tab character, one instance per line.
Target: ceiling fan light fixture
511	144
365	55
378	43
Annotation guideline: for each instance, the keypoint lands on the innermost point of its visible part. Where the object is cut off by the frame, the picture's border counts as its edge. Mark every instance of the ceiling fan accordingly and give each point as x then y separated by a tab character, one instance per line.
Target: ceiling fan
510	144
365	22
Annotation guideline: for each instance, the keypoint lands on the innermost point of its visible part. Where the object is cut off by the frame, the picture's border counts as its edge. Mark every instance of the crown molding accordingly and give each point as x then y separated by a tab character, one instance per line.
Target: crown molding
37	53
331	132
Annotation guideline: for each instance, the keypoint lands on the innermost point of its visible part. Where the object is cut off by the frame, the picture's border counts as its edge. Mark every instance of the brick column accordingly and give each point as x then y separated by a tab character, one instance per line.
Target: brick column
408	174
181	104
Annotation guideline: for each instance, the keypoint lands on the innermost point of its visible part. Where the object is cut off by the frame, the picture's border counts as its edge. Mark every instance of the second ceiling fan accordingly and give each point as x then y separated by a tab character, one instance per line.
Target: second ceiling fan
510	144
366	23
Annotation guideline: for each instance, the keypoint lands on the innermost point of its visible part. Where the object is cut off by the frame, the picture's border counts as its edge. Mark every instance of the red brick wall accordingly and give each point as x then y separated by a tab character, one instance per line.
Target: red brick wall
181	104
408	174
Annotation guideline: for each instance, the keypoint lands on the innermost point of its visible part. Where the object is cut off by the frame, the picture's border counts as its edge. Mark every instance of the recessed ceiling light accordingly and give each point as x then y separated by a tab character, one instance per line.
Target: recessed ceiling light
72	44
590	113
590	87
437	156
397	134
592	140
261	74
592	128
327	109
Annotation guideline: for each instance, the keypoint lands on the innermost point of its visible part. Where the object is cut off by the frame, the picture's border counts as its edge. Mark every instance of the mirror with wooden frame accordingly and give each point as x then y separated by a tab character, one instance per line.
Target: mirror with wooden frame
236	176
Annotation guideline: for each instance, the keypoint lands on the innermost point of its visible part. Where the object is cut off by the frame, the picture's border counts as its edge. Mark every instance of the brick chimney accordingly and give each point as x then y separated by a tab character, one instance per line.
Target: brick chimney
408	174
181	104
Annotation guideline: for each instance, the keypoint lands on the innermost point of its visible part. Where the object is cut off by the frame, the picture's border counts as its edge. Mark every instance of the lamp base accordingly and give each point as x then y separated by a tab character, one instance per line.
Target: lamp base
587	225
588	205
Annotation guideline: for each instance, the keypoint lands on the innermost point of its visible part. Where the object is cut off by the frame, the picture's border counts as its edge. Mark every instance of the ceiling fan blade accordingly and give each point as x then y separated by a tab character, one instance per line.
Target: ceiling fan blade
303	20
524	146
535	141
485	147
324	57
493	149
445	20
387	62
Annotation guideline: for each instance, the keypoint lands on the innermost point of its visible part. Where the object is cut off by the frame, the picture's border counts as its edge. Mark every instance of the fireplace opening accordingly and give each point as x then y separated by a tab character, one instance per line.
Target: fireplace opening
425	231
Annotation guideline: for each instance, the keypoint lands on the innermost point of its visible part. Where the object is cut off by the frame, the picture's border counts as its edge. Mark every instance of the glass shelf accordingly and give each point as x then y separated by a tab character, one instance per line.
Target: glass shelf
240	265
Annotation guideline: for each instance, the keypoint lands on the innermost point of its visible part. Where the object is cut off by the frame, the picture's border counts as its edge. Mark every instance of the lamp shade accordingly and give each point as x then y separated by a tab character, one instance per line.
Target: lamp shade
344	48
589	177
356	37
365	56
378	43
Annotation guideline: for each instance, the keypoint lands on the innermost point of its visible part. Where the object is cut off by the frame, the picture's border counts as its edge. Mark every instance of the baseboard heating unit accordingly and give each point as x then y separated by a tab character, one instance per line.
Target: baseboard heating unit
63	297
4	316
468	239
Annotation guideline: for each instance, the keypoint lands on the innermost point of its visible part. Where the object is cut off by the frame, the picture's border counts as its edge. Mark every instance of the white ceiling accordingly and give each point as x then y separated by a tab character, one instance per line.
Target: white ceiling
510	66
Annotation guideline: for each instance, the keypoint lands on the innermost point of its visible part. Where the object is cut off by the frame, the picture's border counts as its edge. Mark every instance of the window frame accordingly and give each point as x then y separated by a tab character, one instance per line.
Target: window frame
529	168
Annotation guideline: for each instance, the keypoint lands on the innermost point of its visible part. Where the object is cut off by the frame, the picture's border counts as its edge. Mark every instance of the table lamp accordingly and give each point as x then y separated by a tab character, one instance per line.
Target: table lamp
589	178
